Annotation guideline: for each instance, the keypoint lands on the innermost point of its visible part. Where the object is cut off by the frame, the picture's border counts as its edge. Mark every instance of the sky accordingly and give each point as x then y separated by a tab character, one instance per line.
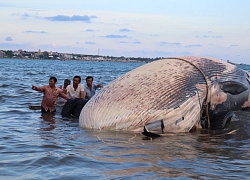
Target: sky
130	28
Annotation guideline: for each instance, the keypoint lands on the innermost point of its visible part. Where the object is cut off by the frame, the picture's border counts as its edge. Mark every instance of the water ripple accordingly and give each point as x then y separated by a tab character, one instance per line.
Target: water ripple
51	147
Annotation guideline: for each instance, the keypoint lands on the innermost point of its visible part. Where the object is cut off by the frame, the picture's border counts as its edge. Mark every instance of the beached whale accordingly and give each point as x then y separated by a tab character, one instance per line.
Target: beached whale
170	95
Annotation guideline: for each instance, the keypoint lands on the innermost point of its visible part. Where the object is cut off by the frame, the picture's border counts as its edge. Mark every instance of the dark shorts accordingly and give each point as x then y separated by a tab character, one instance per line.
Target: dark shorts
44	111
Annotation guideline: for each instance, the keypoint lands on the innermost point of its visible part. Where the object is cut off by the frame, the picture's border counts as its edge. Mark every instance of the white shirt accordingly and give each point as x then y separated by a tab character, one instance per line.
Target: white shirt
75	93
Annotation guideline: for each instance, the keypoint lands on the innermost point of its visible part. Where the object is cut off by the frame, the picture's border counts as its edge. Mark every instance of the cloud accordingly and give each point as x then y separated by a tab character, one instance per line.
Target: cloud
90	30
84	18
115	36
178	44
8	39
167	43
6	5
36	32
234	45
154	35
125	30
193	45
26	16
123	42
208	36
70	18
137	42
88	42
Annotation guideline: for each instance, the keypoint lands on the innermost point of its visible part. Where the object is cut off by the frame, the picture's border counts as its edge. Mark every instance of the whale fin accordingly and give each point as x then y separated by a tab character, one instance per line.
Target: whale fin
232	87
150	135
151	126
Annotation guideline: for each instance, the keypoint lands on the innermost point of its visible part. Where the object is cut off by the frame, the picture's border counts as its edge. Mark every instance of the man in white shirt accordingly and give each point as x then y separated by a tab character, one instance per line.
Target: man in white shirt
76	90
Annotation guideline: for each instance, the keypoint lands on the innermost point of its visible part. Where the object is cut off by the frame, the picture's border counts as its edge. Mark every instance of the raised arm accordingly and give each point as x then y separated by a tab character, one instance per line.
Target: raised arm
98	86
63	95
38	88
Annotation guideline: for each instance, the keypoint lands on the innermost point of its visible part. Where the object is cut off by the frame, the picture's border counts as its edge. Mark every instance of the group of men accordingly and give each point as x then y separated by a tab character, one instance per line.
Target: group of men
53	95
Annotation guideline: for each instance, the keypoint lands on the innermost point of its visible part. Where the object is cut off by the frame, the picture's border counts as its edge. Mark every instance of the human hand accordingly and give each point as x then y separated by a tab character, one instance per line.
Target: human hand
100	85
33	87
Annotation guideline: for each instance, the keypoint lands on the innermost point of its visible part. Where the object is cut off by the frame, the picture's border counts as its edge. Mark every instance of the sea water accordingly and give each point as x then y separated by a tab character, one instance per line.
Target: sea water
51	147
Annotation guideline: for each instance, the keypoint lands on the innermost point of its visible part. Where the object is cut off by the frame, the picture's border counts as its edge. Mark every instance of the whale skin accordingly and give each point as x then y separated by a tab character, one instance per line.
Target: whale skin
173	90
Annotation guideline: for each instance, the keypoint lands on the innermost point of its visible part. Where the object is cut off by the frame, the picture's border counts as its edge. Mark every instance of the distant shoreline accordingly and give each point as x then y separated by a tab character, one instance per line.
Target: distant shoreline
20	54
93	60
236	64
39	55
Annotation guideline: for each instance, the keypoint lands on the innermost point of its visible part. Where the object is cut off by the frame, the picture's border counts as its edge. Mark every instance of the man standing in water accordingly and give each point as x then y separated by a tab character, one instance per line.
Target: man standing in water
90	88
76	90
51	94
74	106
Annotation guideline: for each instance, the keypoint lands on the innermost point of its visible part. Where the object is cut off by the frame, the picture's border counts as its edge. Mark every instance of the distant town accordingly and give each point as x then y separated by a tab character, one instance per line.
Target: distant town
21	54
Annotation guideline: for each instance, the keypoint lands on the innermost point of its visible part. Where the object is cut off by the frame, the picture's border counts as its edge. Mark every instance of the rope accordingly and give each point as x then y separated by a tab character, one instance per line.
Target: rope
205	105
199	99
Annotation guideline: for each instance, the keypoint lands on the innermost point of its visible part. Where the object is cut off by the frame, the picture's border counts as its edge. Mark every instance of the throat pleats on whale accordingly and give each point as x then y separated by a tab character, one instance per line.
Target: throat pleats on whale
173	90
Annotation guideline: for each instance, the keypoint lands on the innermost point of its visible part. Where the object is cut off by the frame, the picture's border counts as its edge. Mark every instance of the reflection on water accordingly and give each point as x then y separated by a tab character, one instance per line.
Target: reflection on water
48	121
36	146
175	155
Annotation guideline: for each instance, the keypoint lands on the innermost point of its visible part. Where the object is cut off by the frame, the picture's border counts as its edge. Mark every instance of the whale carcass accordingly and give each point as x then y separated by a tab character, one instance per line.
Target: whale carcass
172	94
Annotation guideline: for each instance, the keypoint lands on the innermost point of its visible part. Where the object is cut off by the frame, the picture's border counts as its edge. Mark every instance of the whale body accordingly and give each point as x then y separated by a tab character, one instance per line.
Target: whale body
171	92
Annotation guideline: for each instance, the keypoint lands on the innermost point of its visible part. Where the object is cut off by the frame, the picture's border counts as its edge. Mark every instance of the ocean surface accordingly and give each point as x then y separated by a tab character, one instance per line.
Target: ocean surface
51	147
